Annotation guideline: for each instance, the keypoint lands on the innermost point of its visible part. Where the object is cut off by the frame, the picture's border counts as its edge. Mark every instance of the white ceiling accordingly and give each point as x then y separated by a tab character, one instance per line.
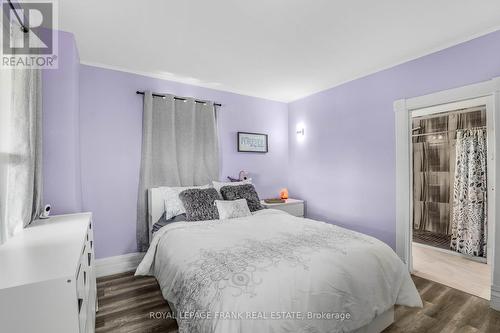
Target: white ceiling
276	49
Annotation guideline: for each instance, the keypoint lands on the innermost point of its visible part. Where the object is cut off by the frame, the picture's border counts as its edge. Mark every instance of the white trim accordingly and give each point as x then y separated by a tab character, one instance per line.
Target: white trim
118	264
488	93
495	297
435	110
491	125
495	281
454	95
403	204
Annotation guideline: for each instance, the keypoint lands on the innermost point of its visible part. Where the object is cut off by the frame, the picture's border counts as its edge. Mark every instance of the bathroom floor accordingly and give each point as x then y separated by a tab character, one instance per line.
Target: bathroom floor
432	239
452	270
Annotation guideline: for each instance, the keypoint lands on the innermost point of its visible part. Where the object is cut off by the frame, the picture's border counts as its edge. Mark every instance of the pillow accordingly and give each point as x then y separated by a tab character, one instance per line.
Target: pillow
200	204
219	185
232	209
163	221
173	205
246	191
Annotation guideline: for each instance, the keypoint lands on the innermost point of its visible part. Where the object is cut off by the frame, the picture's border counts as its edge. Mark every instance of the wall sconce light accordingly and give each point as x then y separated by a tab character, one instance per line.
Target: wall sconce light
300	131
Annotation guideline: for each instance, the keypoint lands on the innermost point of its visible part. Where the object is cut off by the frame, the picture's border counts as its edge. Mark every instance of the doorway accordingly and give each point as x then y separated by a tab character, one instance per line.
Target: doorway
449	197
484	94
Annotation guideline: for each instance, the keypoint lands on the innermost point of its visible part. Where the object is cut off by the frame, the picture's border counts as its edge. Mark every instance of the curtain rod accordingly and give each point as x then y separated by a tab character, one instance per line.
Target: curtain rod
23	27
450	131
175	97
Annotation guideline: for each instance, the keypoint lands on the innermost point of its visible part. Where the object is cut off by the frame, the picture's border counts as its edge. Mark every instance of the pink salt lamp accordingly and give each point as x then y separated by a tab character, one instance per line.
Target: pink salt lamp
284	193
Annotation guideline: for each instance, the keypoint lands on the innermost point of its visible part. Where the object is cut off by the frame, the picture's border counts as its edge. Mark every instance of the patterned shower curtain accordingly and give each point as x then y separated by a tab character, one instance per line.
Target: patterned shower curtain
469	219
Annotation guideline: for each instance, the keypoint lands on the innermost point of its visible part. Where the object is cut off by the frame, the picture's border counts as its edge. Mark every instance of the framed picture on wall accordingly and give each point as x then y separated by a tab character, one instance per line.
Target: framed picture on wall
252	142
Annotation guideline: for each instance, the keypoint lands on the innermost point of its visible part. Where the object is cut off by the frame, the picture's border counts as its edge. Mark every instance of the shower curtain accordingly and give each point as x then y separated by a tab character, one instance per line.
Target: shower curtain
469	219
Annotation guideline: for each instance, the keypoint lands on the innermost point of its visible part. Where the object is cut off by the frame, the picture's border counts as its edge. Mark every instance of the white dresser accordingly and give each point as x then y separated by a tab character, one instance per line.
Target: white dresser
47	277
291	206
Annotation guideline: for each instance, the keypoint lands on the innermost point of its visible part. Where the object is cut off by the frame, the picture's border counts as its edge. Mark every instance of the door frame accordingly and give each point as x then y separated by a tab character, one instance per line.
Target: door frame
489	93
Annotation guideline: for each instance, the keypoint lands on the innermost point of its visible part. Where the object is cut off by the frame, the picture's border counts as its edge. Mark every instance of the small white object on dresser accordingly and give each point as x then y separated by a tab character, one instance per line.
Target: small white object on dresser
47	277
292	206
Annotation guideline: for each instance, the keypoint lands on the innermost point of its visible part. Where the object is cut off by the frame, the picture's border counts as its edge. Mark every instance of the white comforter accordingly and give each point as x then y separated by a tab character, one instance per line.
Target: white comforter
273	272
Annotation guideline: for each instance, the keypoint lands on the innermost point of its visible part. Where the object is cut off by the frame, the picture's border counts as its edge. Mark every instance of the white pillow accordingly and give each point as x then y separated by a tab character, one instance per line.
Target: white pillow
219	185
231	209
173	205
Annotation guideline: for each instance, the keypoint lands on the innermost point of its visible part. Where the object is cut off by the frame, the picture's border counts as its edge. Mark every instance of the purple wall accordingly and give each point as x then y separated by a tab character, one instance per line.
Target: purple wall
61	153
345	167
110	136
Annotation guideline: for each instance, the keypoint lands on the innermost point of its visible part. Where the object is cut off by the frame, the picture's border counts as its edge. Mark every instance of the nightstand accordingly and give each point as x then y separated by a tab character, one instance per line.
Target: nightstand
292	206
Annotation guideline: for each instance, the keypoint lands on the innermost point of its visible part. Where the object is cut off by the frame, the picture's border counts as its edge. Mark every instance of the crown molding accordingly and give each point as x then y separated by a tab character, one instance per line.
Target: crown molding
375	70
170	79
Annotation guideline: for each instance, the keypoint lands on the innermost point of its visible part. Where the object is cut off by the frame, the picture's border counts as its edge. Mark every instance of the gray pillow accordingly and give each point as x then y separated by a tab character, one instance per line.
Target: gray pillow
246	191
163	221
200	204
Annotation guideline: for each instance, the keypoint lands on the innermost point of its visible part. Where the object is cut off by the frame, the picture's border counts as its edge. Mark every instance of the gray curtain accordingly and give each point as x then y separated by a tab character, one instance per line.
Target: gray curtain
469	222
21	150
179	148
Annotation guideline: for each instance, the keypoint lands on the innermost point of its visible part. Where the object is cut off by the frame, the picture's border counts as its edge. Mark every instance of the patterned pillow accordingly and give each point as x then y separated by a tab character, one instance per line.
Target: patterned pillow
232	209
200	204
246	191
219	185
173	205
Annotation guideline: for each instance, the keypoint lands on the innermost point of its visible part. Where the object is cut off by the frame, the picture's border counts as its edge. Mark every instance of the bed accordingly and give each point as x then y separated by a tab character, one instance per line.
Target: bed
274	272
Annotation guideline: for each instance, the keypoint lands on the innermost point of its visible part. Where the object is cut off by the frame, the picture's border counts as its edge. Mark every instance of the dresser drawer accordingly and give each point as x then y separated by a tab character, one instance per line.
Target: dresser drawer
80	284
82	315
86	286
60	286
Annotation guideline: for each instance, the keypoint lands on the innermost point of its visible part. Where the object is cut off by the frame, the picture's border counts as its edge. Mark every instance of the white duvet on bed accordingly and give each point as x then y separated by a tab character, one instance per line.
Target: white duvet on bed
272	272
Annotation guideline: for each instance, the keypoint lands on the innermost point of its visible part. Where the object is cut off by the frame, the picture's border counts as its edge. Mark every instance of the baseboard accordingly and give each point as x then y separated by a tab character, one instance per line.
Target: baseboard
495	297
118	264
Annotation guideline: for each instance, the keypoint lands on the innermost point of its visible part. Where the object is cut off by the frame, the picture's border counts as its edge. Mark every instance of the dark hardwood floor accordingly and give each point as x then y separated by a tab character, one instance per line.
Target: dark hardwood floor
445	310
125	304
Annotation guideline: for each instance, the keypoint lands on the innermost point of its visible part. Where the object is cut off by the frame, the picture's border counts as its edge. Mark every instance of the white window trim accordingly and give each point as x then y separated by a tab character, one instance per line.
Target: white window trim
489	93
